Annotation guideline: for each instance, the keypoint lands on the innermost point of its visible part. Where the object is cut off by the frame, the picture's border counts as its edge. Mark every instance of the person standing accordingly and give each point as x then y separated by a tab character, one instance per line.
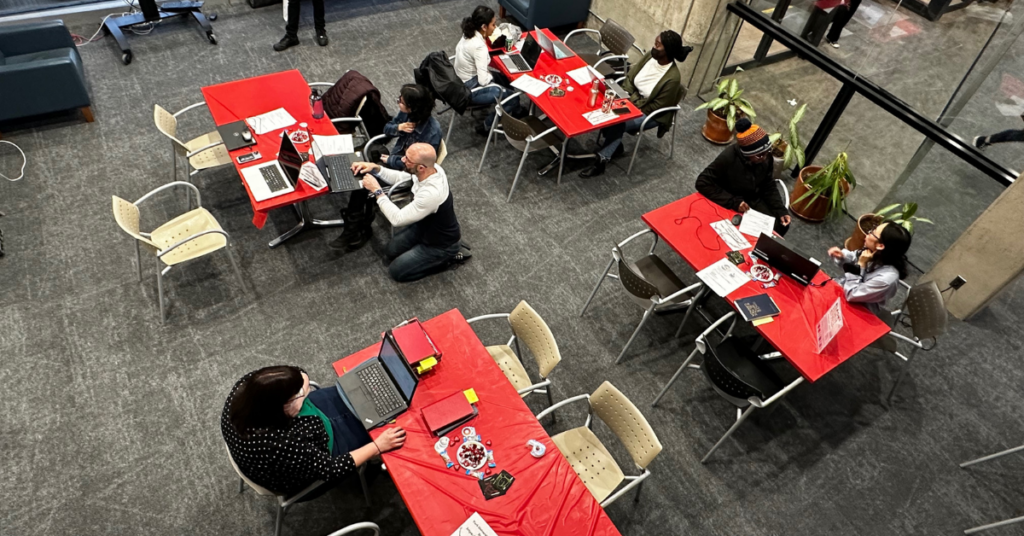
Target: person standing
291	29
844	12
741	177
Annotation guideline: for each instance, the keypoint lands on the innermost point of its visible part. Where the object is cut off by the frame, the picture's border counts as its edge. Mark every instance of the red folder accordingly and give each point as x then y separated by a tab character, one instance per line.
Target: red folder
414	342
453	409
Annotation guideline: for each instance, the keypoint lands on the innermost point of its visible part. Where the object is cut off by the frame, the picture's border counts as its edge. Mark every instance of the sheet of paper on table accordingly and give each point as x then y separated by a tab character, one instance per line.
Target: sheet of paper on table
723	277
332	145
310	174
730	235
829	325
597	117
270	121
475	526
530	85
757	223
584	75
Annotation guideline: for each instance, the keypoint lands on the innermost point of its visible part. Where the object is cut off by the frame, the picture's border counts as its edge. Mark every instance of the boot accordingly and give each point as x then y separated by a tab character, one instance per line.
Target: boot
356	227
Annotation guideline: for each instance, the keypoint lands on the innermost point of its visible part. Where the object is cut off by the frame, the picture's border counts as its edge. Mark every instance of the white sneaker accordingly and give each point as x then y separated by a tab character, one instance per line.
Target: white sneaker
835	44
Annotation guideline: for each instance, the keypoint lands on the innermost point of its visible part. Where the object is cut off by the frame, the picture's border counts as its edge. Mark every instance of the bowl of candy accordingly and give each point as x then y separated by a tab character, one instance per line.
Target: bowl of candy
472	455
299	136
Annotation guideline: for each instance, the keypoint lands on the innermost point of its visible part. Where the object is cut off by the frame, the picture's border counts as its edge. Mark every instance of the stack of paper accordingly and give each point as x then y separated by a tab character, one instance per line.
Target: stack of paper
732	237
270	121
755	223
584	75
530	85
723	277
474	526
332	145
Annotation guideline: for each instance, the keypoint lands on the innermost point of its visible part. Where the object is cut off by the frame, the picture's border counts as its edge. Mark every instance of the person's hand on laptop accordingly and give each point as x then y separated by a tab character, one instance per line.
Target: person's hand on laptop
362	168
391	439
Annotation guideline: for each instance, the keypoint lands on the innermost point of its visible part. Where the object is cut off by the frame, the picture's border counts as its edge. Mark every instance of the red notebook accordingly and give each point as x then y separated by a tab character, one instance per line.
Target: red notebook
448	412
414	342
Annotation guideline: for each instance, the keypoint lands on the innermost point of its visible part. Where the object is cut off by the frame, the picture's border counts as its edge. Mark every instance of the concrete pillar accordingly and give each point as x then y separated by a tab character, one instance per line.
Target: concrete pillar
988	255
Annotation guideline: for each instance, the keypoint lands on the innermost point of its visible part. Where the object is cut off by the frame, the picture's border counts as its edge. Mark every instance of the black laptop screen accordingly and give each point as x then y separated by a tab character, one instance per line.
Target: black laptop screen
531	51
393	360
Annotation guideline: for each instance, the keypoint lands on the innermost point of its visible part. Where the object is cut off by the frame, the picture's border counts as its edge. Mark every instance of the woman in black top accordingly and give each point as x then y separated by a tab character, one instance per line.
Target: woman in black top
277	432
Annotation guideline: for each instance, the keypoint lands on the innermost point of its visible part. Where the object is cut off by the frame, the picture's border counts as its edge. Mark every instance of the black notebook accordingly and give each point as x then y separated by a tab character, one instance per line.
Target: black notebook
755	307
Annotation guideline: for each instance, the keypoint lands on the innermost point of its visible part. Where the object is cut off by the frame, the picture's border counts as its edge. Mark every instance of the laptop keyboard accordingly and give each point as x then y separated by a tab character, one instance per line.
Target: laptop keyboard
382	391
519	62
272	176
341	179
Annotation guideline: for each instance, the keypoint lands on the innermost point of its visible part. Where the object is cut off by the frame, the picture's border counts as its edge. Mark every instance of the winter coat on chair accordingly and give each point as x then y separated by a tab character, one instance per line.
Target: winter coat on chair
343	98
438	74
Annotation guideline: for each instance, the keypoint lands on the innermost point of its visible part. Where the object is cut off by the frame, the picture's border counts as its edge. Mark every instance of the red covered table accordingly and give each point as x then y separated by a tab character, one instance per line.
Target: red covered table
686	226
238	100
547	497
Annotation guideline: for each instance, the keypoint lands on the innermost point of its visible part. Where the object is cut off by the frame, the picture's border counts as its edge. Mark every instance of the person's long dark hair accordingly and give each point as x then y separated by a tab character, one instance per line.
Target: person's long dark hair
419	101
259	402
673	45
482	16
896	240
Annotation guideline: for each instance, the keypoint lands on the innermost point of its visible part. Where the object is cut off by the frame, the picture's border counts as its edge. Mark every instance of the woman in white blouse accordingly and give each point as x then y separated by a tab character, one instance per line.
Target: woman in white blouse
472	59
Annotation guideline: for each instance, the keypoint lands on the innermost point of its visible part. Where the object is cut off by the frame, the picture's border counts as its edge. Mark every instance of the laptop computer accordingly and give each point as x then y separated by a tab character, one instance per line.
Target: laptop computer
276	177
526	60
616	88
337	168
555	49
231	133
785	260
380	388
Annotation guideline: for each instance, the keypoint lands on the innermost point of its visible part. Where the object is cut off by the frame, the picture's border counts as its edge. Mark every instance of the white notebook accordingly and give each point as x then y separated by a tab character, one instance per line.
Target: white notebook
474	526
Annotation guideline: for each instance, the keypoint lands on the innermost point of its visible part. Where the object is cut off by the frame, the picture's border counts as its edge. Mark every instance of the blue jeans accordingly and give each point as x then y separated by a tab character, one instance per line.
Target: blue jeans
613	135
413	259
491	95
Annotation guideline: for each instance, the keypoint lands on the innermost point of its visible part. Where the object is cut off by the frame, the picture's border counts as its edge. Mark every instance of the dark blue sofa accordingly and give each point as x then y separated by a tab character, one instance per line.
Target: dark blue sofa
546	13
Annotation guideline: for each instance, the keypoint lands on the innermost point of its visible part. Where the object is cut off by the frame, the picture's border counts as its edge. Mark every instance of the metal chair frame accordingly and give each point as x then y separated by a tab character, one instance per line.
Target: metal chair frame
602	51
543	387
633	481
470	108
674	110
656	302
999	523
365	525
177	146
915	342
357	120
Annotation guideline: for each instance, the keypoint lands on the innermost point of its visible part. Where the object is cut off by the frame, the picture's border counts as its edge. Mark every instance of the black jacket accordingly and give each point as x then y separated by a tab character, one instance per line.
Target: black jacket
438	74
731	179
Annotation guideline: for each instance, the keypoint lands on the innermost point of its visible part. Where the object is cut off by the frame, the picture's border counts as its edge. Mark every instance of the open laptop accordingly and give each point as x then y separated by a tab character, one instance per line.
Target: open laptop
337	169
276	177
525	60
785	260
380	388
555	49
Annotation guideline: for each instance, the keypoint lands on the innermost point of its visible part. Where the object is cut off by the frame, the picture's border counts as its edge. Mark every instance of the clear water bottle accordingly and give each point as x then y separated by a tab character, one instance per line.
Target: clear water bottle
316	102
595	90
609	98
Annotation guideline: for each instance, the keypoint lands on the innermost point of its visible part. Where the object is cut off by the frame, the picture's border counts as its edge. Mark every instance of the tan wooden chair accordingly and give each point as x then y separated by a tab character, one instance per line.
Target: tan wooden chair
589	457
189	236
204	152
527	325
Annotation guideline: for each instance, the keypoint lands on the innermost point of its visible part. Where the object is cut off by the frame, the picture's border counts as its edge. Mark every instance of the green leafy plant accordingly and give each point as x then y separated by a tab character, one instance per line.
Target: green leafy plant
729	103
794	154
903	214
827	183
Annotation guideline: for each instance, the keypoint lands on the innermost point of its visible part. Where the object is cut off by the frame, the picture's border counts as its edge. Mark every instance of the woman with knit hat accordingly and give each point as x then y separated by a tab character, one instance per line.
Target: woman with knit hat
741	178
652	84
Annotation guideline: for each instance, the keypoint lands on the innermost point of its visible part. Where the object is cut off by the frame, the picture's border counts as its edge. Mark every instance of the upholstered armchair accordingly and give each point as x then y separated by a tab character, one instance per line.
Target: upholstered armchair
545	13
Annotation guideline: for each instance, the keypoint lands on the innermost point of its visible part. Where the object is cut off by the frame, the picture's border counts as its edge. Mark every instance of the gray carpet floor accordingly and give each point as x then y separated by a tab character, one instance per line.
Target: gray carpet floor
110	420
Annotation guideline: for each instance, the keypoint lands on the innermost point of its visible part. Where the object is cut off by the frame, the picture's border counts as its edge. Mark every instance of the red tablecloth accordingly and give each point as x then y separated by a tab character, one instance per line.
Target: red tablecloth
566	112
235	101
686	226
546	499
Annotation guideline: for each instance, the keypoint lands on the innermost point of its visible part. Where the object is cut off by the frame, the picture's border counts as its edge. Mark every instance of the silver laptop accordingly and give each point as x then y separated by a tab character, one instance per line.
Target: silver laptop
526	60
271	179
555	49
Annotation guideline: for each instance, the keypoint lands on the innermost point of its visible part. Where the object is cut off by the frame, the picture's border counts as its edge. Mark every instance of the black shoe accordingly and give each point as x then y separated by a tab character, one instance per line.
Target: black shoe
981	142
360	240
594	170
321	38
482	130
460	258
285	43
619	151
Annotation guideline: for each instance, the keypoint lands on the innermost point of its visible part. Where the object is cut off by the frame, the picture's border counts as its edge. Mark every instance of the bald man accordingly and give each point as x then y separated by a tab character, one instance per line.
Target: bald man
427	237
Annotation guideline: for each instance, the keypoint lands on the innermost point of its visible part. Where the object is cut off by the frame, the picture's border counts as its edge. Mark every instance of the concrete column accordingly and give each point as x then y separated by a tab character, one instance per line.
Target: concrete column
988	255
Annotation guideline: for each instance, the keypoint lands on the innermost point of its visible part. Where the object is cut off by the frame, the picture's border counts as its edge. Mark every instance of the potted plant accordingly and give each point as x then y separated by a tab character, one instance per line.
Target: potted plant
902	214
820	192
724	110
788	152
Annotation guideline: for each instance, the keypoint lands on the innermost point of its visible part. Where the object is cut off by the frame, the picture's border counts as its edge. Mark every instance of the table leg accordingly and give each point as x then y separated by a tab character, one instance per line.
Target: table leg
300	210
561	160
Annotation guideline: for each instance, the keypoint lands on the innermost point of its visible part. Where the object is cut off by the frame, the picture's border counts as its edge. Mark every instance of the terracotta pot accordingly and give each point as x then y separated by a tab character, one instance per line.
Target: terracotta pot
813	209
864	225
716	130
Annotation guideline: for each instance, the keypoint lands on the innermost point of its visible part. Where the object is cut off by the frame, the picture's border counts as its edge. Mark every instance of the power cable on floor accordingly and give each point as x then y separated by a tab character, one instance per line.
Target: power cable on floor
24	162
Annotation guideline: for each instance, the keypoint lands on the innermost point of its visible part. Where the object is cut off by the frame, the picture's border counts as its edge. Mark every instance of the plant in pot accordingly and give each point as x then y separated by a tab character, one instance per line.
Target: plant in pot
724	110
788	152
820	192
902	214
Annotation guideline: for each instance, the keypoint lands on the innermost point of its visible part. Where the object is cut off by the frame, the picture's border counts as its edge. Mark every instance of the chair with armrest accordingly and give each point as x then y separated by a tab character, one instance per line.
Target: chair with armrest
356	527
470	108
546	13
928	320
612	56
589	457
528	135
527	325
40	71
189	236
356	121
203	152
674	110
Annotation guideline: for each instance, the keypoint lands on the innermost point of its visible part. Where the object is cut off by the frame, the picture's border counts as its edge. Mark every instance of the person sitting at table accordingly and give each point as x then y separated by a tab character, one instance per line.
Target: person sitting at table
471	61
873	273
652	83
430	238
284	437
741	176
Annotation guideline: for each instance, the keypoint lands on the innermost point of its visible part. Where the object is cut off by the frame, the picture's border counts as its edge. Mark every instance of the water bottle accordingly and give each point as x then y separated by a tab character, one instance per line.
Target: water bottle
609	98
594	91
317	103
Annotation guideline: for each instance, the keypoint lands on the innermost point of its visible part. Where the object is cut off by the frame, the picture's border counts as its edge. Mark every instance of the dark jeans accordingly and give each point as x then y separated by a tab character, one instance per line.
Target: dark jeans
613	135
414	260
292	27
349	433
1005	136
492	95
761	206
843	16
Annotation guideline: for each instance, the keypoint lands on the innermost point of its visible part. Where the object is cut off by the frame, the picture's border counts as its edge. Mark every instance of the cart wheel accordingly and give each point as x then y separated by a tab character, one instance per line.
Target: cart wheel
212	38
126	57
212	16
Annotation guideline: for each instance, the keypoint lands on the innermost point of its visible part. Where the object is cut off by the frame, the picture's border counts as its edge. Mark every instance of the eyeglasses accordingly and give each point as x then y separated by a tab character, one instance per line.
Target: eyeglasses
873	235
302	394
399	100
408	160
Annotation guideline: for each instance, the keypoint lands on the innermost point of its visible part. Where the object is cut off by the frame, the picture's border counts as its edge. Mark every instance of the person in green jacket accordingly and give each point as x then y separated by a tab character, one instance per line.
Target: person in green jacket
653	83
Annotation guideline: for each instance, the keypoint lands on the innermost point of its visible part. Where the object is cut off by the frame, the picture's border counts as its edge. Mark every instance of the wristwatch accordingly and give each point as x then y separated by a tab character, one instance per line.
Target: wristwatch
376	193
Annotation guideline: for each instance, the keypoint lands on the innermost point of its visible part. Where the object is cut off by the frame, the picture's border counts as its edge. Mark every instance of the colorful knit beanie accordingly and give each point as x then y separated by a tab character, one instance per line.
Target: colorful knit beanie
751	138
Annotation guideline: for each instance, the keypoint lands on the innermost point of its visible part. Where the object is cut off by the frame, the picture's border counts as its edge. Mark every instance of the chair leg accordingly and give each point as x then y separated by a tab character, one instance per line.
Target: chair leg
241	485
87	113
450	125
490	135
994	525
682	367
597	286
992	456
160	289
138	260
174	167
366	488
519	172
903	372
639	487
636	149
647	314
561	161
694	303
234	264
672	142
277	525
743	416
